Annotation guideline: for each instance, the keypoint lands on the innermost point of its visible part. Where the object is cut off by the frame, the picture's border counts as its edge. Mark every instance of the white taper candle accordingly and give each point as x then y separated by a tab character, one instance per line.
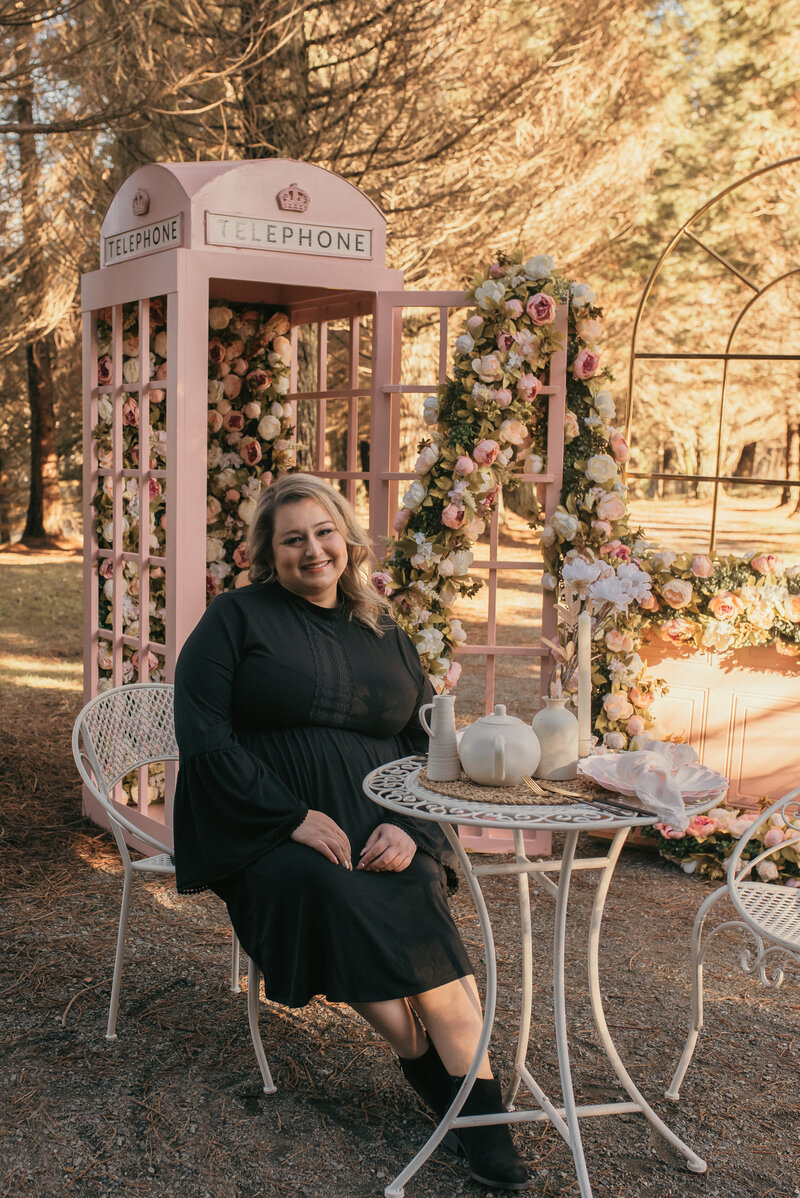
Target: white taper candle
584	684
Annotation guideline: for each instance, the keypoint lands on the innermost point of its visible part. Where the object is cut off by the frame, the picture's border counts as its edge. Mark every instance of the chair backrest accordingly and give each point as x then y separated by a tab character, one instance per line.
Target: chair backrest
120	731
786	930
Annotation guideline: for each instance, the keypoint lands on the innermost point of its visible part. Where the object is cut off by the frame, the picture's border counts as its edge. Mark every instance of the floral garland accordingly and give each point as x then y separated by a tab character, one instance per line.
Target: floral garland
487	425
249	441
709	840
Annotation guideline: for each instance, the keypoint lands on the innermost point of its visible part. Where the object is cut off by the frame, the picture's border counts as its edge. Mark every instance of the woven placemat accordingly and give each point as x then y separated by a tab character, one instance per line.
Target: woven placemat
472	792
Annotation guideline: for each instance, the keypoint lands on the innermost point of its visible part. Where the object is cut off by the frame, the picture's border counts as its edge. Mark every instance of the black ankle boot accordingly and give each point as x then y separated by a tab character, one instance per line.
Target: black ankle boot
428	1076
493	1159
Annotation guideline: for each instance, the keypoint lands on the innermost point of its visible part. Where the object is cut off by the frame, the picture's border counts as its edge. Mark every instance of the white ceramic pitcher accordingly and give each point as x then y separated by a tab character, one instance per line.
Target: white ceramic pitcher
443	763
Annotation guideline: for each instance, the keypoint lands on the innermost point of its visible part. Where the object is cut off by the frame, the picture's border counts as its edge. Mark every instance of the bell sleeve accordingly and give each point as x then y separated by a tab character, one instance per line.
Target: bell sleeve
426	834
230	808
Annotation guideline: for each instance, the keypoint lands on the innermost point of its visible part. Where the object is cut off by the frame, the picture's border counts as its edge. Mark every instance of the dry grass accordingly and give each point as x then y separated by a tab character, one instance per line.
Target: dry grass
174	1107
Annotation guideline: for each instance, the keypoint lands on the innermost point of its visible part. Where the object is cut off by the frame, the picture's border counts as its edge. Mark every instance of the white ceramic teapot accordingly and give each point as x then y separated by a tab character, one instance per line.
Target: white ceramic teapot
498	749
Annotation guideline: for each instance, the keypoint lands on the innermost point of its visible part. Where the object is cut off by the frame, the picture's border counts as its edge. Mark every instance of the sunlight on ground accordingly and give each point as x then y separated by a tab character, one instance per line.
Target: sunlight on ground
42	673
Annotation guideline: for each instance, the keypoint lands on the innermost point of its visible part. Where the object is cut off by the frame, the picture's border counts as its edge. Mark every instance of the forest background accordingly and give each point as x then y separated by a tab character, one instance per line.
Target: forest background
586	131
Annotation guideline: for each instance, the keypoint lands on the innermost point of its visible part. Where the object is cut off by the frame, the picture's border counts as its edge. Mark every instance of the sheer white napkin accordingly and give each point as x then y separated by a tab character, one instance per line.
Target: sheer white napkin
661	775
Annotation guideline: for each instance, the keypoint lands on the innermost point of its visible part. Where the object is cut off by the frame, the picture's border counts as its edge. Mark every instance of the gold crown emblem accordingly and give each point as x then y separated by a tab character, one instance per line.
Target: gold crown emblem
141	203
293	199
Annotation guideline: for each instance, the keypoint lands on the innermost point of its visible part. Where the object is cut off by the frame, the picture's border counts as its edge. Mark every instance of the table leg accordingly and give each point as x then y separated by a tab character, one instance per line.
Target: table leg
523	1038
560	1010
395	1188
695	1163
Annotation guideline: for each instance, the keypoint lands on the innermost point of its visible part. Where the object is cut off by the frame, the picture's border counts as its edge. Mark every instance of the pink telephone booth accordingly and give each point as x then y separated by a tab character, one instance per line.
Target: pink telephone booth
242	320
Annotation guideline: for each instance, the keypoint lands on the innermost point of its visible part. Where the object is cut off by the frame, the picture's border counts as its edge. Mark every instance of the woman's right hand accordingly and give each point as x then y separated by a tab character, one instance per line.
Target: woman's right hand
324	835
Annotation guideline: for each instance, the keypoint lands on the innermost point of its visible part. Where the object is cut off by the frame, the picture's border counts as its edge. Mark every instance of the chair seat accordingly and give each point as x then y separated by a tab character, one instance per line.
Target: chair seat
161	863
776	909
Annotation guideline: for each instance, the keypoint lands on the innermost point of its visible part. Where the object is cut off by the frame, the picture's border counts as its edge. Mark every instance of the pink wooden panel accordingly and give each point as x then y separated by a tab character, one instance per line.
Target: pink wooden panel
741	712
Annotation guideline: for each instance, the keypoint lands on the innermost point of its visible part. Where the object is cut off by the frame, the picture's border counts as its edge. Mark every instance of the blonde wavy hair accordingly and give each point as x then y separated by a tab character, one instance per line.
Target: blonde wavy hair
364	602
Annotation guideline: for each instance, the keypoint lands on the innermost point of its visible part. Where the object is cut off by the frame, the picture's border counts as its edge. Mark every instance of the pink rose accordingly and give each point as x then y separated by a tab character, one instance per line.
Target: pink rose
676	631
725	605
496	271
793	882
453	516
618	641
619	447
212	586
259	380
602	528
107	568
214	420
513	308
223	370
233	421
213	509
702	566
616	550
611	507
104	370
701	826
650	603
529	387
791	607
234	350
232	385
773	838
154	488
677	592
542	309
635	725
640	698
239	366
130	412
250	450
241	557
490	499
453	674
571	427
382	581
504	341
216	351
232	495
161	370
766	563
475	323
476	528
502	397
465	465
401	519
485	452
513	431
669	833
585	364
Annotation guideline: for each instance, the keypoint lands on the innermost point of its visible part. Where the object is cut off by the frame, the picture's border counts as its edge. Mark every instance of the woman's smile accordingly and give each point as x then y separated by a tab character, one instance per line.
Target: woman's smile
309	551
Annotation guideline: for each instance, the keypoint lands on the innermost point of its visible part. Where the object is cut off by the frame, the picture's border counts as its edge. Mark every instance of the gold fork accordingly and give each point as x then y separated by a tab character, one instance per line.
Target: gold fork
533	785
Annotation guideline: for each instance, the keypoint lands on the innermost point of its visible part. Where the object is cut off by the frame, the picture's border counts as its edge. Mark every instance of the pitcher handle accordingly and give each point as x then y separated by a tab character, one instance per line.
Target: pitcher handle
425	707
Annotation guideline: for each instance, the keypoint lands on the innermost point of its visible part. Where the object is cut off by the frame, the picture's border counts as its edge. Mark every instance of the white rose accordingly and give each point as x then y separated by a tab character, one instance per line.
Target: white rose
414	496
224	405
215	550
276	409
457	632
130	370
226	479
444	569
246	510
489	292
216	391
604	403
269	428
219	318
535	464
547	537
548	582
430	409
160	344
105	409
462	559
663	559
488	368
465	344
430	642
582	295
539	267
601	468
565	525
281	384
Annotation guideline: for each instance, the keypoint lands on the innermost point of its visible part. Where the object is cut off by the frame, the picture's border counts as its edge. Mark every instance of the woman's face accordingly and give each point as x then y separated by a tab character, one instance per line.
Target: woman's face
310	553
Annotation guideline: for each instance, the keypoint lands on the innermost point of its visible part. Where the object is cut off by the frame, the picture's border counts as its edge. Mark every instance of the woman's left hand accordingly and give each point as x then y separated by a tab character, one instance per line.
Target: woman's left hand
388	848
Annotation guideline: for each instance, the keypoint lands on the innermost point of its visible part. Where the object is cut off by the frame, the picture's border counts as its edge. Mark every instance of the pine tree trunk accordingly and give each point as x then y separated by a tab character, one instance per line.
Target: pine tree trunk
44	505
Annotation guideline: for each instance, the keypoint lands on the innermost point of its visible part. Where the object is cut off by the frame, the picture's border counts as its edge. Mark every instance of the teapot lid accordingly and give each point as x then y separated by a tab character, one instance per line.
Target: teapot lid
498	716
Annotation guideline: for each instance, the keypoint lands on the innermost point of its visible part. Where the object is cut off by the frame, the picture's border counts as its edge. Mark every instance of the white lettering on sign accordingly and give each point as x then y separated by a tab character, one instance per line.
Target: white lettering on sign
148	239
257	233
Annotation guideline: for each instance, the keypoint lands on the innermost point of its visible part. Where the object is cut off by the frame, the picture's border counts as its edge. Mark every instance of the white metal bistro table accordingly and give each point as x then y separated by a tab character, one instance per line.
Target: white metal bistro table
395	787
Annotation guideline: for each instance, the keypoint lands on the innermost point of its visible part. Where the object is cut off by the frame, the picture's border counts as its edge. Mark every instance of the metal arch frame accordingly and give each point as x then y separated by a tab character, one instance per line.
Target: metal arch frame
725	357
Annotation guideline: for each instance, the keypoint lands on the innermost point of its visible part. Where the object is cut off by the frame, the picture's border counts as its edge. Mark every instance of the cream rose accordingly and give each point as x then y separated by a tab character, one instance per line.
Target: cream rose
246	510
611	507
677	592
601	468
617	706
219	318
603	402
414	496
565	525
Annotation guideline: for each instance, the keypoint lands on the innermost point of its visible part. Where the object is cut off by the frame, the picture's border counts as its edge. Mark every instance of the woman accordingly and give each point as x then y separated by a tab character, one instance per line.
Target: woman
287	693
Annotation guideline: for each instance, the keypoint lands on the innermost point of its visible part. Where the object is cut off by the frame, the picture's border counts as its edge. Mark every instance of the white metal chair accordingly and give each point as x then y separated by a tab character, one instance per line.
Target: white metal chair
119	732
769	913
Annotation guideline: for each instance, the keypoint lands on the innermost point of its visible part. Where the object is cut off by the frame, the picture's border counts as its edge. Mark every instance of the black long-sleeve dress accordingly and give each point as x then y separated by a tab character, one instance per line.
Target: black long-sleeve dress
282	706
